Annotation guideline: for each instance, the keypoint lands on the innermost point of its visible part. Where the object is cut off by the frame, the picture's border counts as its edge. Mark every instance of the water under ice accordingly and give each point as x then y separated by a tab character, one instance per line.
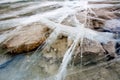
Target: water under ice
53	16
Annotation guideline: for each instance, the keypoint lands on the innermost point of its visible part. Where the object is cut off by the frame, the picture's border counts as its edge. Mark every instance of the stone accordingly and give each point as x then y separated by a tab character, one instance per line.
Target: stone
26	39
110	48
57	49
97	20
91	51
92	46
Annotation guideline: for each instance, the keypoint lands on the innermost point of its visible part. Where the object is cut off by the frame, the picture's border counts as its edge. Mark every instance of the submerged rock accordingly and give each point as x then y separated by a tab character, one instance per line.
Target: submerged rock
26	39
110	48
91	46
93	51
97	17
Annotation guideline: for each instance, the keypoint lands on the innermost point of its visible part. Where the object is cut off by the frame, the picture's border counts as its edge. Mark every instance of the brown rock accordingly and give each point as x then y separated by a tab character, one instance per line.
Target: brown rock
105	13
57	49
91	51
96	17
110	48
97	21
90	46
26	39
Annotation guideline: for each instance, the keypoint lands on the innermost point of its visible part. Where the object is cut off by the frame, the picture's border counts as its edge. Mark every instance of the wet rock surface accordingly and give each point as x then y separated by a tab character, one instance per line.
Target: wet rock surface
91	51
110	48
109	72
27	38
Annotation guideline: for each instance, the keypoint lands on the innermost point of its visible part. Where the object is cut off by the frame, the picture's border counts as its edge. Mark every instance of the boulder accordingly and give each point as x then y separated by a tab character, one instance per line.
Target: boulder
97	20
91	51
91	46
97	17
26	39
110	48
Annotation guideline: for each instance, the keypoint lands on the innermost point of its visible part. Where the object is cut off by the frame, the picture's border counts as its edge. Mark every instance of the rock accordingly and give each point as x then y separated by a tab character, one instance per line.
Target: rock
92	46
110	48
26	39
97	21
97	17
57	49
91	51
105	13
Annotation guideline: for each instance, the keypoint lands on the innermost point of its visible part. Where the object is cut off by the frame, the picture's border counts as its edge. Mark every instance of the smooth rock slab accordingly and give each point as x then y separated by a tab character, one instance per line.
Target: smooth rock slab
27	38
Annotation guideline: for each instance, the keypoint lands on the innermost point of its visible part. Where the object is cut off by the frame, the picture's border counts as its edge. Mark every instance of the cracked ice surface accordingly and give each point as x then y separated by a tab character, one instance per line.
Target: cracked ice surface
53	18
57	16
